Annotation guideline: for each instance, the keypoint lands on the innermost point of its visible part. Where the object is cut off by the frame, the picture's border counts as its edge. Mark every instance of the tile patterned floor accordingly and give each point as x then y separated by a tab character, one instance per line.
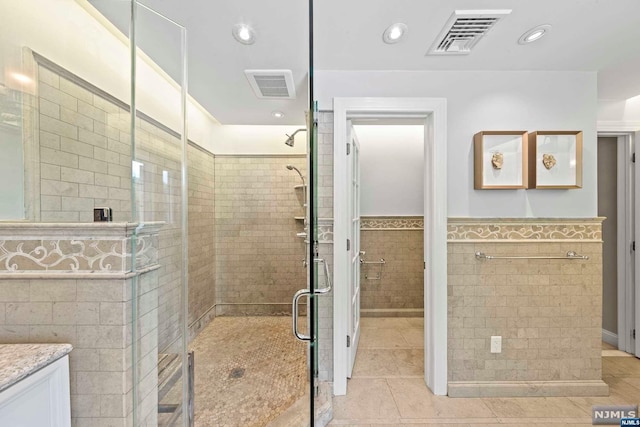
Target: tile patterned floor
387	388
248	370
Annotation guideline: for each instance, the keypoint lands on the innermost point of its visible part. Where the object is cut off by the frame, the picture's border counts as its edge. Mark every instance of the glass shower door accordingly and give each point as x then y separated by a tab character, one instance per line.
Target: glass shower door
161	370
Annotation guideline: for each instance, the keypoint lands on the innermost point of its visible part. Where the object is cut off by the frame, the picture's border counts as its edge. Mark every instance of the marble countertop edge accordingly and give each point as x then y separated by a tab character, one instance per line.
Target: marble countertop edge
18	361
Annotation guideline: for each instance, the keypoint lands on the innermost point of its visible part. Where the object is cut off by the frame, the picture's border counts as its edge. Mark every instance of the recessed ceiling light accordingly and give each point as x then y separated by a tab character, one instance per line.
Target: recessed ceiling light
536	33
394	33
277	114
244	34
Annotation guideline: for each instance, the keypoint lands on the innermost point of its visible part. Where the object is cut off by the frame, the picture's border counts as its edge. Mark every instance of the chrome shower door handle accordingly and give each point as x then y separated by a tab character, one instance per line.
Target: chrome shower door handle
301	293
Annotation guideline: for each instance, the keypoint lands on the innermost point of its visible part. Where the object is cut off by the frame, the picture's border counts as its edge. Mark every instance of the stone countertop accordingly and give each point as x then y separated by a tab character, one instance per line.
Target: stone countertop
18	361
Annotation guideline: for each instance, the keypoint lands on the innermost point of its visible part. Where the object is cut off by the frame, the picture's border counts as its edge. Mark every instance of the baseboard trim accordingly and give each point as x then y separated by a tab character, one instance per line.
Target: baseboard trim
392	312
528	388
610	338
201	322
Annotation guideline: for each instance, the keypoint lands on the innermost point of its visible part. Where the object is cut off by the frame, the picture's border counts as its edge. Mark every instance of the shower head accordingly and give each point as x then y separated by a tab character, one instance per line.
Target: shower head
291	138
293	168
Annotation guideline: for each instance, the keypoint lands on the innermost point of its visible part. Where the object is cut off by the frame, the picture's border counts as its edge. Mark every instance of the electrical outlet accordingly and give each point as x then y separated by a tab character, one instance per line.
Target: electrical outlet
496	344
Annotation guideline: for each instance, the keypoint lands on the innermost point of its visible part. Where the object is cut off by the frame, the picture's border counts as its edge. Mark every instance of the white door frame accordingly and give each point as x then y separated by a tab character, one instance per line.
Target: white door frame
625	236
434	111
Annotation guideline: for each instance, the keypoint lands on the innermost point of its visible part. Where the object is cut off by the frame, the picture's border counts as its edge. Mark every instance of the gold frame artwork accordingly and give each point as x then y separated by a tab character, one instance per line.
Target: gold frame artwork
549	162
481	141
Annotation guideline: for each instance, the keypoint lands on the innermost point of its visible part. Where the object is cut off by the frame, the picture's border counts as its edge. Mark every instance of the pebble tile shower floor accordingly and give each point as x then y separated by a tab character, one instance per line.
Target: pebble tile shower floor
248	370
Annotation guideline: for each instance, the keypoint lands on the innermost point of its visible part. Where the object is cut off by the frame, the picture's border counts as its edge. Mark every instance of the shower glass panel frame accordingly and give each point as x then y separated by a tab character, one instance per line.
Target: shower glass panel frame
161	366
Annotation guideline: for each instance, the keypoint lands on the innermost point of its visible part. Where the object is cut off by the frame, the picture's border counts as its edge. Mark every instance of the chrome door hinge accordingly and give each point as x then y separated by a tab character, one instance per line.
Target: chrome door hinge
349	341
348	244
348	149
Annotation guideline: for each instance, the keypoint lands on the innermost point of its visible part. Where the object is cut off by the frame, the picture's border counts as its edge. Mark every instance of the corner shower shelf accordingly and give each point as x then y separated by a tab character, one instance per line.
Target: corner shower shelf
300	186
299	218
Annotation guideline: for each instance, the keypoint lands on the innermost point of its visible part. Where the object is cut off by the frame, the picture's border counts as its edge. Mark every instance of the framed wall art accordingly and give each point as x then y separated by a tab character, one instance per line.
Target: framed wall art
500	160
555	159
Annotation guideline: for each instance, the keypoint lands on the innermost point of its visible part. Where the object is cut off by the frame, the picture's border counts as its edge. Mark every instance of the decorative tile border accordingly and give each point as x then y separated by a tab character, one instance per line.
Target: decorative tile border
325	231
91	250
391	223
67	255
518	230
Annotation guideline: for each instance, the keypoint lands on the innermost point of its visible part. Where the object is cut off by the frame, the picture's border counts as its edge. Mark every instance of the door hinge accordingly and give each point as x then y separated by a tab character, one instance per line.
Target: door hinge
349	340
633	245
424	265
348	148
348	244
633	158
633	333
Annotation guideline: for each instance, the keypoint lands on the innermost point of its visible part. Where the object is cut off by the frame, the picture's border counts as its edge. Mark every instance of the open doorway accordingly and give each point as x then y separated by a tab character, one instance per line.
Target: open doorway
390	182
616	203
431	112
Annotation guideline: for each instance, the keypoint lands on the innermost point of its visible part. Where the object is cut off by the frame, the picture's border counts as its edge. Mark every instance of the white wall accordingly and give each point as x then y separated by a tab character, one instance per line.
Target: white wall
391	169
258	139
621	114
492	100
75	36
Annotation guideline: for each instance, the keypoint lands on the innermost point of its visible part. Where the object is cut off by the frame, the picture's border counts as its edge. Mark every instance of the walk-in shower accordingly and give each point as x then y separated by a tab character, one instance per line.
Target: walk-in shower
291	138
291	167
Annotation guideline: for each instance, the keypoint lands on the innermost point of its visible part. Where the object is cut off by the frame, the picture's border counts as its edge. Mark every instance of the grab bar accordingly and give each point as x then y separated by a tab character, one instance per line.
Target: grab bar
569	255
308	293
326	275
382	261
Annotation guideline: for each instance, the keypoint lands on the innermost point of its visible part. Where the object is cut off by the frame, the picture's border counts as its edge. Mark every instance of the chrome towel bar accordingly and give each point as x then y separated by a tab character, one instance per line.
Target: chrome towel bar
569	255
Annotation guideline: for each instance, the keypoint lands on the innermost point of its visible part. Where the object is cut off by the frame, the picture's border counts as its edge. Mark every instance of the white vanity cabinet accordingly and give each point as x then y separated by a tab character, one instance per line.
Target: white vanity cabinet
35	386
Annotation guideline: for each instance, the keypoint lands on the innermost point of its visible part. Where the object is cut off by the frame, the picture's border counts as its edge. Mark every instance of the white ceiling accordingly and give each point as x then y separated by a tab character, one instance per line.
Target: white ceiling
588	35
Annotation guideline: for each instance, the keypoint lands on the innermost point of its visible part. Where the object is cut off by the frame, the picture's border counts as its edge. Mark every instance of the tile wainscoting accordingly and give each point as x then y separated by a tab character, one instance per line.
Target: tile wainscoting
548	311
72	283
397	287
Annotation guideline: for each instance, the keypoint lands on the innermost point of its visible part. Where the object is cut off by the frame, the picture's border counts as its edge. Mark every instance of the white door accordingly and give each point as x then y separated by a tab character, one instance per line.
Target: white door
353	179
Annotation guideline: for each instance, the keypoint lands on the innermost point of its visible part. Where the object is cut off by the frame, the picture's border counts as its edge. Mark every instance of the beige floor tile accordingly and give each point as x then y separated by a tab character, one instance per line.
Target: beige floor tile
410	362
621	366
248	370
547	422
416	322
621	392
366	399
382	338
382	363
414	400
384	322
375	363
535	407
414	337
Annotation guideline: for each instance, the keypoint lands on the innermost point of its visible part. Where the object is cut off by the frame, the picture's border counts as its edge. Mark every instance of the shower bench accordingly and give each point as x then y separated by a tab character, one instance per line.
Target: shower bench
169	372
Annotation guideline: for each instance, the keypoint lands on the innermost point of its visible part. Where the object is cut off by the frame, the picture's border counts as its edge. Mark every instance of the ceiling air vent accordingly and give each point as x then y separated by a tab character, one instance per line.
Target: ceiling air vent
464	30
272	84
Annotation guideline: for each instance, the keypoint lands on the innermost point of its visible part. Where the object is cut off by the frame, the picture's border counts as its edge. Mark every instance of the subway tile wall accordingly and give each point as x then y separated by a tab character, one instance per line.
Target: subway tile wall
325	249
95	317
201	238
258	255
548	311
85	162
401	283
